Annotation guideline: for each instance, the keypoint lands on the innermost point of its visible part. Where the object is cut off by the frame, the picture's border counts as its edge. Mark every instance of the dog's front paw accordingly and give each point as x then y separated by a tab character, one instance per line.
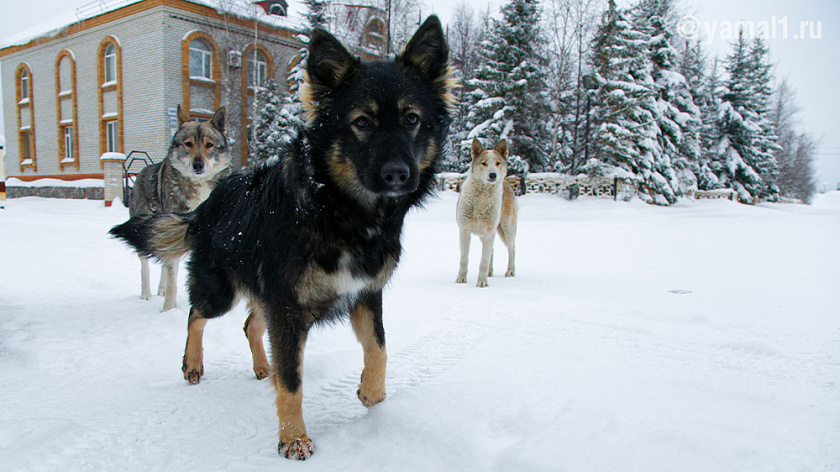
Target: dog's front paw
297	448
192	374
510	273
462	278
482	282
370	397
262	372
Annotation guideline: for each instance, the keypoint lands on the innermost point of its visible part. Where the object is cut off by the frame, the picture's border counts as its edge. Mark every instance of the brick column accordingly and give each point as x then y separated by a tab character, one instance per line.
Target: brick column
114	177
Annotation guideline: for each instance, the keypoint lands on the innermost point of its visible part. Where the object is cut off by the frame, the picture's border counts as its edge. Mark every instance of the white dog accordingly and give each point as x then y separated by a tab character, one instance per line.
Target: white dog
485	205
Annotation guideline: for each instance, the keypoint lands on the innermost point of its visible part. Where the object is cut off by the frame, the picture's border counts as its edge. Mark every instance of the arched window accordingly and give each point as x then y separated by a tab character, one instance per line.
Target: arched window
24	84
201	80
25	117
257	68
109	65
201	59
67	110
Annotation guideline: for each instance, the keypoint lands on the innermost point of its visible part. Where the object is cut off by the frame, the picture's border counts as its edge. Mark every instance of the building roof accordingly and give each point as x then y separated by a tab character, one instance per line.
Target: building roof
243	9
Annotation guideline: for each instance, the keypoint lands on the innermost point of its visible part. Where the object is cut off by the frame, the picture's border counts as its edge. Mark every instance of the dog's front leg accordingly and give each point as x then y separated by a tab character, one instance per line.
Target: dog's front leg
486	253
288	339
193	366
366	319
168	286
465	236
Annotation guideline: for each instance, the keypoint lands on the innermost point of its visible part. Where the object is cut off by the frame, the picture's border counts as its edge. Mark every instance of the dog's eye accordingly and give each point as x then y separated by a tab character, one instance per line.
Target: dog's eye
484	164
208	145
412	119
188	144
361	122
498	164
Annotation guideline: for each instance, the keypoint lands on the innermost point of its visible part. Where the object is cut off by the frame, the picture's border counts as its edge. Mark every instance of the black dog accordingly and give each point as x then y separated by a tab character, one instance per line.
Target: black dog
317	235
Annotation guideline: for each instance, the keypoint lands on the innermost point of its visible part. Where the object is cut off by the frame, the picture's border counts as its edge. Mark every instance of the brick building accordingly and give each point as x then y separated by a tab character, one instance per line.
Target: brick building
111	81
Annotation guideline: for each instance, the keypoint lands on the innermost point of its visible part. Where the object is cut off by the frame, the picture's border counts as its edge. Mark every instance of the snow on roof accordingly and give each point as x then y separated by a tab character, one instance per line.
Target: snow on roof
2	141
240	8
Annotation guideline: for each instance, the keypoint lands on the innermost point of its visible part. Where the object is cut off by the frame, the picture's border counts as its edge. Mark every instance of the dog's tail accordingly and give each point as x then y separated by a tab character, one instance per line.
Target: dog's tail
163	236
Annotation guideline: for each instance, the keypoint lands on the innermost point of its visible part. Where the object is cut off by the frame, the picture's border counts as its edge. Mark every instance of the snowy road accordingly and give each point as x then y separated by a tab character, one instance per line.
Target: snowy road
699	337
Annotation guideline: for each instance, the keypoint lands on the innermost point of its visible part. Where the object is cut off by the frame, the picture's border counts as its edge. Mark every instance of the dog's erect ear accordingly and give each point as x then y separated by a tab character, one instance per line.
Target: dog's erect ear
183	116
218	120
502	148
427	50
329	63
477	148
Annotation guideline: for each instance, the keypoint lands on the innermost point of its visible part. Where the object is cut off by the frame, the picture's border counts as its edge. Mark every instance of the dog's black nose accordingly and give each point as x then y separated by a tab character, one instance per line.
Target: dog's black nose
198	167
492	176
395	174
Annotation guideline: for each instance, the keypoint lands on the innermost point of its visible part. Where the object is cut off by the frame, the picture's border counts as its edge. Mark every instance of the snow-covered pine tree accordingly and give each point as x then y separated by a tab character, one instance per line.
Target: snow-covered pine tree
677	115
761	78
626	111
316	17
273	128
508	97
280	114
464	33
707	96
747	139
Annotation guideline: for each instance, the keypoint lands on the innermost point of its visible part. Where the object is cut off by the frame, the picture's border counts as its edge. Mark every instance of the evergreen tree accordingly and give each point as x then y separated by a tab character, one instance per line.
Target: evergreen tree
761	78
626	114
281	114
747	138
508	96
677	115
275	124
708	92
464	35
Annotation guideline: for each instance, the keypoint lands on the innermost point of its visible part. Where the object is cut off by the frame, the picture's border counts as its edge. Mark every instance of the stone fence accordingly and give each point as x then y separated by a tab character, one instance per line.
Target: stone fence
557	184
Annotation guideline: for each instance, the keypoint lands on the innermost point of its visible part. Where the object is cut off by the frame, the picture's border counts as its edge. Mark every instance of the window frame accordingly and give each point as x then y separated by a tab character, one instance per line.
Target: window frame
248	91
107	142
258	65
190	83
67	97
25	103
205	57
24	85
109	59
112	134
69	149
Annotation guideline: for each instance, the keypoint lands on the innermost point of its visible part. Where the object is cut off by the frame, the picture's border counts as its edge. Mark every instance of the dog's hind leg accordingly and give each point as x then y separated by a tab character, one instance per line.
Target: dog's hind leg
507	233
168	282
366	319
486	253
145	286
288	338
254	329
193	366
465	256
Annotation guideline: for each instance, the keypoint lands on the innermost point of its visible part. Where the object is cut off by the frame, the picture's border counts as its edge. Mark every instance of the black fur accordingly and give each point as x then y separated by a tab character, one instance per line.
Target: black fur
334	205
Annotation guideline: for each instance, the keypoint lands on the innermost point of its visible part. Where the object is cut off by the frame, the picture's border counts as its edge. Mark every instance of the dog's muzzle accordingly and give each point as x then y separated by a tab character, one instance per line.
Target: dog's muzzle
396	177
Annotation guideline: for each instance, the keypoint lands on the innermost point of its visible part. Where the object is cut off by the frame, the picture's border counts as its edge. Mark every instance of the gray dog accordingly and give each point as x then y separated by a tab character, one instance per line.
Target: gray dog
196	161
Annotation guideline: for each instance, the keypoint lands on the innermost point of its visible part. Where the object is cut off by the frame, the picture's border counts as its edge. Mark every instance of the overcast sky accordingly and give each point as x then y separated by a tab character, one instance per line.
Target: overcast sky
804	44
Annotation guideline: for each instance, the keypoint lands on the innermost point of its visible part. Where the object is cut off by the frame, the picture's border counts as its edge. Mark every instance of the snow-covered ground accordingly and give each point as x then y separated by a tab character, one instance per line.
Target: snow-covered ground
699	337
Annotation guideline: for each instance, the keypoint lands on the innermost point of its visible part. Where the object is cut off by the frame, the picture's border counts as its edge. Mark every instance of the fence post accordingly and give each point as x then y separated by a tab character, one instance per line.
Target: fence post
113	169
